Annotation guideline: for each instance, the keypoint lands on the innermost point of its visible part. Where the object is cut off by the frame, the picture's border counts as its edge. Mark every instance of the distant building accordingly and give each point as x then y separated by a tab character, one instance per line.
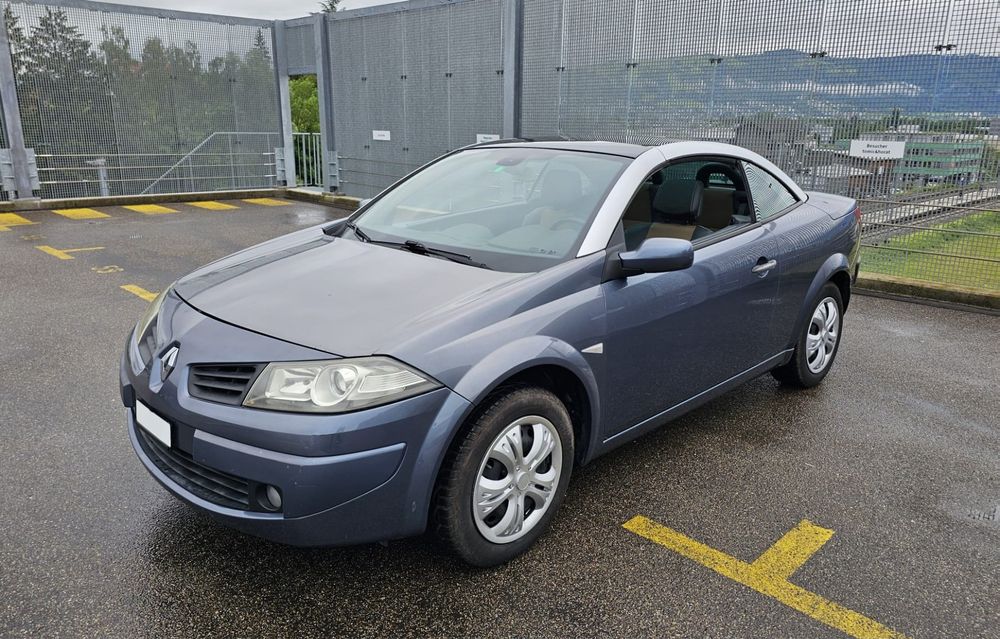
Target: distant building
931	158
841	178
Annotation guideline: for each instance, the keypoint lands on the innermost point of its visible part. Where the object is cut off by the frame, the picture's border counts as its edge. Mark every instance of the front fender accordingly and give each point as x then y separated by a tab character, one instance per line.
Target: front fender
833	264
529	352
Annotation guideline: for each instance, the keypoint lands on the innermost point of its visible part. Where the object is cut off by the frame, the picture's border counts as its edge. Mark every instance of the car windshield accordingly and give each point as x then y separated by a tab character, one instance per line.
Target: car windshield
512	209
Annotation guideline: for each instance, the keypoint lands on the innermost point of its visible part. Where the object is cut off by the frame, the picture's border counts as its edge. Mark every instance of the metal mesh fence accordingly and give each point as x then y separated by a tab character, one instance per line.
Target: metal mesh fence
894	102
126	102
411	85
300	47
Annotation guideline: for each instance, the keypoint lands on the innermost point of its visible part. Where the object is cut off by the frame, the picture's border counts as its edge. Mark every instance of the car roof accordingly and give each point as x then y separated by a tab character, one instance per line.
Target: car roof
584	146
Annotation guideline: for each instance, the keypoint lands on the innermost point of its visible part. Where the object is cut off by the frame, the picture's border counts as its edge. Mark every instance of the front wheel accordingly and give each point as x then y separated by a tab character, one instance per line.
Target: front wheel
817	346
504	480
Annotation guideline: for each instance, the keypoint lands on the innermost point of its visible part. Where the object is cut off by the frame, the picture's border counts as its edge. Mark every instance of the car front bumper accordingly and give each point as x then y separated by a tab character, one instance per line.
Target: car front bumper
344	479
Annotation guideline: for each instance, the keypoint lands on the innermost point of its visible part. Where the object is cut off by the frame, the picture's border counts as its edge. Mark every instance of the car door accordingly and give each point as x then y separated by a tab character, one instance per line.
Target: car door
673	336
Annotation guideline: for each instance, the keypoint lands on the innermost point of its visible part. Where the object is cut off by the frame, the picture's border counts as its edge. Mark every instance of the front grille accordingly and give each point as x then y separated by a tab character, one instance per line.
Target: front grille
209	484
222	383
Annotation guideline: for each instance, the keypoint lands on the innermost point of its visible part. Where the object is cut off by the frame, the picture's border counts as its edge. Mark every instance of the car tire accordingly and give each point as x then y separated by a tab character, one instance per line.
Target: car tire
809	364
483	458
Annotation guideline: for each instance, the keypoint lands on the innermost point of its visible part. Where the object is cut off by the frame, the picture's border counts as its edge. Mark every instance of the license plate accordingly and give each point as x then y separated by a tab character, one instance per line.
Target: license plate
152	423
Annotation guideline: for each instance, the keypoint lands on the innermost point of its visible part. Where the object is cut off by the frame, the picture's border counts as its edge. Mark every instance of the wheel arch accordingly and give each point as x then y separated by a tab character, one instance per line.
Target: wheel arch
538	361
835	269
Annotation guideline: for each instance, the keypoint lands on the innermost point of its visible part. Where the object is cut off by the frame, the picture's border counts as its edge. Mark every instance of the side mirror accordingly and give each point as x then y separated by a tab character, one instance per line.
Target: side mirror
363	203
658	255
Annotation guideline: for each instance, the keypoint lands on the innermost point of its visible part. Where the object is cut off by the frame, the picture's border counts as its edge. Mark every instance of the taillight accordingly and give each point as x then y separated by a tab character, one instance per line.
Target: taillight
857	213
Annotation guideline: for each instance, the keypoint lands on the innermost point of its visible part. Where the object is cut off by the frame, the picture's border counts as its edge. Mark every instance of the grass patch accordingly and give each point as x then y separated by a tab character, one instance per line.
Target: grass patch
945	254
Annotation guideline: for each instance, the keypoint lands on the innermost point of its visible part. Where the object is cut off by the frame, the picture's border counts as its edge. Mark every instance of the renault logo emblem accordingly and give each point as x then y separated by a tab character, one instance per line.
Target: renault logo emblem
167	361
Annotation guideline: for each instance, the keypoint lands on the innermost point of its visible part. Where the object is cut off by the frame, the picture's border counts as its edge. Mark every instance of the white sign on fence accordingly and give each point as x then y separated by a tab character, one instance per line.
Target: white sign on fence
877	149
486	137
382	135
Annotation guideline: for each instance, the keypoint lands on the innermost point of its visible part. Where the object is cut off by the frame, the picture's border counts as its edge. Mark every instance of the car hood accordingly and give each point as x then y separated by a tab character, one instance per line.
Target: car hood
337	295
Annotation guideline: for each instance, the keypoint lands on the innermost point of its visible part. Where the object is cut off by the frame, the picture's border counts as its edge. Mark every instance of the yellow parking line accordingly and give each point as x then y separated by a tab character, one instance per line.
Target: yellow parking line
150	209
80	214
789	553
12	219
267	201
769	574
213	206
64	254
139	291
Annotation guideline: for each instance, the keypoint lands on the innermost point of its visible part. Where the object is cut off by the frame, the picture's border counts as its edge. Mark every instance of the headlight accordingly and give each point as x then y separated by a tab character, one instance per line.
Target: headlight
145	332
150	315
335	386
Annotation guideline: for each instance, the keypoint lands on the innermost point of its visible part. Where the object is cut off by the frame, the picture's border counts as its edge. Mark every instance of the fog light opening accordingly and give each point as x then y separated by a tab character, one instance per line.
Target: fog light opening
269	497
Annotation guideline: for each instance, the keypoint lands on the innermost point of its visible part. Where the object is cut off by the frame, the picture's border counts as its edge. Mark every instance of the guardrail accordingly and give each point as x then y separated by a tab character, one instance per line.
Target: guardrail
225	160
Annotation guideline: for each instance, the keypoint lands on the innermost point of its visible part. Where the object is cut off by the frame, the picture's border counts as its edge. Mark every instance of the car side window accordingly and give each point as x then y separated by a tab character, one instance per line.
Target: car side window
769	195
690	199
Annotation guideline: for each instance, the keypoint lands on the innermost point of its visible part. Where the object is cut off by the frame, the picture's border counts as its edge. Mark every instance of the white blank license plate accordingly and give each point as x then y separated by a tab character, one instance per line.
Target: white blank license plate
152	423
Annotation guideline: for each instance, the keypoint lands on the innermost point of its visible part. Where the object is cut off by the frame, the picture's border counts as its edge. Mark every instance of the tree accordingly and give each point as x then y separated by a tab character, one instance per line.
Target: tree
304	99
328	6
18	41
64	84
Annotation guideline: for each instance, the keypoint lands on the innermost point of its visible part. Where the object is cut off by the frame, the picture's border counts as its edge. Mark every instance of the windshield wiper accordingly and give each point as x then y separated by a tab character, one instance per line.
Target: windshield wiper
420	249
361	234
414	246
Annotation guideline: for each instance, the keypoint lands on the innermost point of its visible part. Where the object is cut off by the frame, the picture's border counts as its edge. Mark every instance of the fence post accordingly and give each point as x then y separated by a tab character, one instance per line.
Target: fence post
12	120
512	45
324	85
284	101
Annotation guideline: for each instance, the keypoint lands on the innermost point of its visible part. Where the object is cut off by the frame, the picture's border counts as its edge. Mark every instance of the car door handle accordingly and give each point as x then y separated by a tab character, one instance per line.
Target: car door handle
764	267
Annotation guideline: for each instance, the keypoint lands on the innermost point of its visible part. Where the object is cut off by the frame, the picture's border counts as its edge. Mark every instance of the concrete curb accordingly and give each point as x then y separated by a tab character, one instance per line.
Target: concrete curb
917	289
333	200
120	200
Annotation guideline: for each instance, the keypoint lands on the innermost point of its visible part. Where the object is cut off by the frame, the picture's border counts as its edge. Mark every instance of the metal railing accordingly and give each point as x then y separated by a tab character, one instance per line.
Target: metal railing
935	241
308	150
224	160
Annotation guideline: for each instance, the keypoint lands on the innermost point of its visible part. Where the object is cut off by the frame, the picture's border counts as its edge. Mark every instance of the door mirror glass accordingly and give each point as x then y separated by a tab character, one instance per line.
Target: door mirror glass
658	255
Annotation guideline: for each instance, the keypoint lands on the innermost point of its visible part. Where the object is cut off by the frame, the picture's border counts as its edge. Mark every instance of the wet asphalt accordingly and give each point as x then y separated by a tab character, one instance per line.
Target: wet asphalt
898	452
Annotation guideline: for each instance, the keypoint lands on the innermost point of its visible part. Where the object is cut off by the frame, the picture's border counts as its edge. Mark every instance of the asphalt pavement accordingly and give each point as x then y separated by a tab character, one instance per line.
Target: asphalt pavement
897	453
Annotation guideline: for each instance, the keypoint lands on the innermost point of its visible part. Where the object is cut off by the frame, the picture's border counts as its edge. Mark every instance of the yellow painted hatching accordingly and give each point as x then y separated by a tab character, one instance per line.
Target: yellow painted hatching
8	220
150	209
267	201
80	214
213	206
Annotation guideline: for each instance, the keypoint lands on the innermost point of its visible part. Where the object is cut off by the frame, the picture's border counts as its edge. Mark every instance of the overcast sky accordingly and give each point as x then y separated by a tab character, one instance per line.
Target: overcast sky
269	9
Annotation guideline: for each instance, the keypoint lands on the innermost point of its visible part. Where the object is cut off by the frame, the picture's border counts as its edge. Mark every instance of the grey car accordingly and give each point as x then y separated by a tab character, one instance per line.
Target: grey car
446	356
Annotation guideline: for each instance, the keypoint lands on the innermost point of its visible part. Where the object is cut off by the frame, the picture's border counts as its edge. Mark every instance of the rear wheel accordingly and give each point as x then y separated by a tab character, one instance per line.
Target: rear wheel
504	480
817	345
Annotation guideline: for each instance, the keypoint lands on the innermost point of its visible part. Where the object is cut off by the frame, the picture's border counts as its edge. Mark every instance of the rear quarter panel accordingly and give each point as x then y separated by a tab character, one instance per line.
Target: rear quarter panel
816	239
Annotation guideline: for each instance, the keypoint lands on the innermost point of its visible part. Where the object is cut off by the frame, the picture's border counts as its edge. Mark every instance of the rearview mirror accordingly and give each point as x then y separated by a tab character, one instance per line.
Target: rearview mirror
658	255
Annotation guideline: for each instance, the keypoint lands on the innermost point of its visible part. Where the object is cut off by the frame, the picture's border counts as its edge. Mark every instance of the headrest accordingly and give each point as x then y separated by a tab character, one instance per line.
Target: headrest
678	201
560	186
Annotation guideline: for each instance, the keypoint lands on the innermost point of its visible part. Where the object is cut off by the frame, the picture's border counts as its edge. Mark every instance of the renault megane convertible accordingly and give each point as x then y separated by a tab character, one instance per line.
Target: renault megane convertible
447	355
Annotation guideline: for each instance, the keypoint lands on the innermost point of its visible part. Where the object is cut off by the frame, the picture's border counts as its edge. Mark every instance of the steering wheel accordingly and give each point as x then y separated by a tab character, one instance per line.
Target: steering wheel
572	222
